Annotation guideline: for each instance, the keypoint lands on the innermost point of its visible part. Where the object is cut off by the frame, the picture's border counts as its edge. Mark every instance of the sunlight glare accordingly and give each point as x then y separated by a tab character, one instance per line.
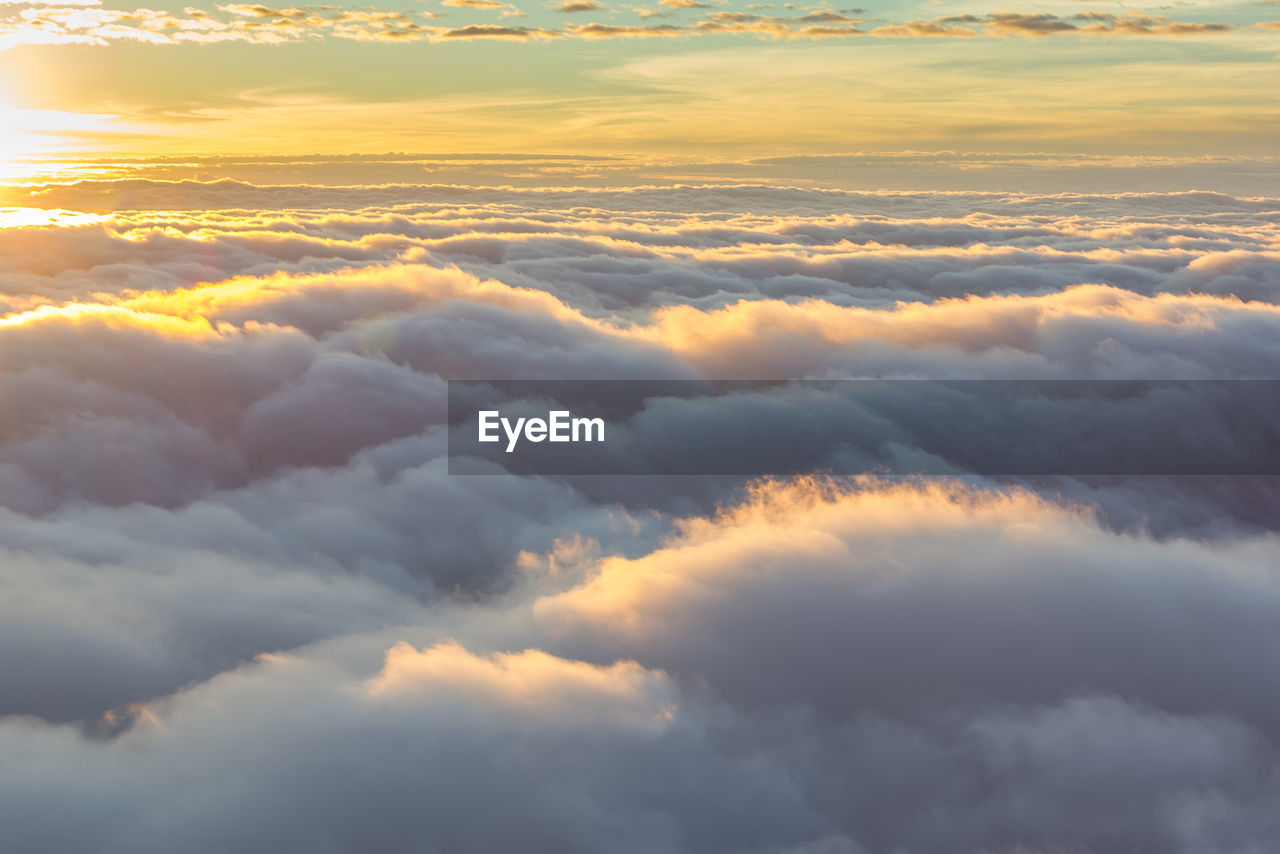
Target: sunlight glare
29	136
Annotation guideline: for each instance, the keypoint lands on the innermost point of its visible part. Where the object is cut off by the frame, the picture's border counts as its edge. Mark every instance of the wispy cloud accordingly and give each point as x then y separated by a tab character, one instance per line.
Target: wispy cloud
606	31
580	6
89	23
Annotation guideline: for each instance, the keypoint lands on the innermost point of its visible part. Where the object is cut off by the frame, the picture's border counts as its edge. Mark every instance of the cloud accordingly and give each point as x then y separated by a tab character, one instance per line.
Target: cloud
260	24
904	579
1146	25
244	606
1025	24
506	10
894	704
605	31
490	31
945	28
1042	24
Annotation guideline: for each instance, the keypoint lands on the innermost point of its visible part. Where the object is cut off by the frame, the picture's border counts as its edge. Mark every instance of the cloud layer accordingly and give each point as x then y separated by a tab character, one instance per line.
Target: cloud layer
54	22
244	607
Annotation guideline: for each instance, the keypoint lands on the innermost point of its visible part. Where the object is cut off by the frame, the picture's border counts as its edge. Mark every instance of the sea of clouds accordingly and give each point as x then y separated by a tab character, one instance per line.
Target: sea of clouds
245	608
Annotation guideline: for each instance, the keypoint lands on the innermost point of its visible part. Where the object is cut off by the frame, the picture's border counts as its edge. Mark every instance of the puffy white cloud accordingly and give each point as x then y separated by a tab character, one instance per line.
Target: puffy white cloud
245	607
917	596
811	671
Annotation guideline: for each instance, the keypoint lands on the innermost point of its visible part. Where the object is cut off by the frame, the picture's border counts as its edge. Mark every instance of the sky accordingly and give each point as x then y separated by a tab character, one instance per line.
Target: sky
249	604
677	80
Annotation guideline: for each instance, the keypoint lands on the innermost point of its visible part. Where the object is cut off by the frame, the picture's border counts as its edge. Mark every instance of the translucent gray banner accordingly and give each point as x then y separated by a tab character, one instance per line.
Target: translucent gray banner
893	427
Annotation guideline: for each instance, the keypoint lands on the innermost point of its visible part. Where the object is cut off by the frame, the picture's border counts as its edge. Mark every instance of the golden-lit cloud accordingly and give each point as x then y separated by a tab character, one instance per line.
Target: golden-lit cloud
494	31
805	339
531	680
89	23
810	521
505	10
1040	25
607	31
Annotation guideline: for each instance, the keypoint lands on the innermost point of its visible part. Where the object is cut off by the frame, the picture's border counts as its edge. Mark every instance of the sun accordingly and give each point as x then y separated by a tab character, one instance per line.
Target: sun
15	142
31	137
22	141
